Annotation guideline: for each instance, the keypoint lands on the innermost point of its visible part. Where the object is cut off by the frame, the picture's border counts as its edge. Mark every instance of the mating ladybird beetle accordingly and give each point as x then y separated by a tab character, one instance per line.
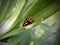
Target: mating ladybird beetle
28	21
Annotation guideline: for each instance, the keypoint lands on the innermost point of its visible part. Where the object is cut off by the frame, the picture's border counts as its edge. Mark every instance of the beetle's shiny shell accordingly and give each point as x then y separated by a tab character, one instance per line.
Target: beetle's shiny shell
28	21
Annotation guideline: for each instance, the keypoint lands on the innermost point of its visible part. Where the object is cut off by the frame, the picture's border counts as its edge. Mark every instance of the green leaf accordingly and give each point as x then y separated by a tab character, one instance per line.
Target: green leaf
40	10
13	19
6	7
36	7
18	38
45	13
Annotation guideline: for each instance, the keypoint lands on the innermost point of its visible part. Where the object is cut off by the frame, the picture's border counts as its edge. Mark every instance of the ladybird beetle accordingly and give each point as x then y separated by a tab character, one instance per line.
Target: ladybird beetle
28	21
